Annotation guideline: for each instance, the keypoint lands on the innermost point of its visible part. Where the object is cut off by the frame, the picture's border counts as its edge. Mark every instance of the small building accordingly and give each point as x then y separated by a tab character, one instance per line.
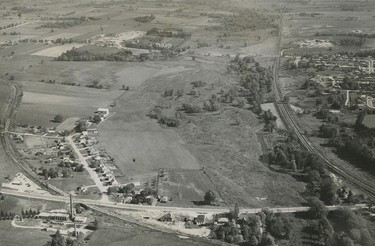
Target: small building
104	112
128	199
333	111
164	199
80	219
200	219
223	221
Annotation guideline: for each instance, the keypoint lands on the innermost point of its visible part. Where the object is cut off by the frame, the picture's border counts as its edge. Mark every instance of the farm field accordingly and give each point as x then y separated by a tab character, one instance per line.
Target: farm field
11	236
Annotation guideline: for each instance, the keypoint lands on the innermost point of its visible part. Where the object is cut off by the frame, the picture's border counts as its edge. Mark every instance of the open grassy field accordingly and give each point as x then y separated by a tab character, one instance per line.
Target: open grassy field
114	233
11	236
41	102
204	140
56	51
369	121
72	183
185	187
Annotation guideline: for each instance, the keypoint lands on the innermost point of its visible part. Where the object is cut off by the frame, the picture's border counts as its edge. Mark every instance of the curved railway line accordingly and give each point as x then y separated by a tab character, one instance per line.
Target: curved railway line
286	116
8	115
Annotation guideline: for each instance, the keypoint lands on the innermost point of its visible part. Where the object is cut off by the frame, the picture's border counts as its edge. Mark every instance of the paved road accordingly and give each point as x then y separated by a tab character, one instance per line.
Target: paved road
94	176
161	208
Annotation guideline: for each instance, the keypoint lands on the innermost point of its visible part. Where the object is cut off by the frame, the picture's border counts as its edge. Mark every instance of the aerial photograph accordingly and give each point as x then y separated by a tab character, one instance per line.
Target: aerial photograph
187	122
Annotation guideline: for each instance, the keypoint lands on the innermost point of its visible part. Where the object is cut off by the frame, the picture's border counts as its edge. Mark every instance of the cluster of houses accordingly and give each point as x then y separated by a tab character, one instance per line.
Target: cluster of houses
344	63
201	219
97	159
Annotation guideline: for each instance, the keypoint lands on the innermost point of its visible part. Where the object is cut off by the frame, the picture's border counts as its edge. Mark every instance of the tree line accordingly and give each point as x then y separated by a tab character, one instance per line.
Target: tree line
79	55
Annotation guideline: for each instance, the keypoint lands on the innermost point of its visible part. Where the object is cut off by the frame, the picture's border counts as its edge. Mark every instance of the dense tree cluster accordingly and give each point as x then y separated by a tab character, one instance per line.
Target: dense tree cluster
6	215
336	101
355	229
257	80
269	120
246	20
328	131
62	24
209	197
142	196
210	105
60	240
254	230
358	42
58	118
190	108
168	121
354	145
168	34
29	213
145	19
319	181
126	189
79	55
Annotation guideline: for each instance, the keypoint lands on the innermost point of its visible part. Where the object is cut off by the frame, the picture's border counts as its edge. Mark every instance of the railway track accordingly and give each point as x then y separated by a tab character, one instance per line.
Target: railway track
10	150
289	121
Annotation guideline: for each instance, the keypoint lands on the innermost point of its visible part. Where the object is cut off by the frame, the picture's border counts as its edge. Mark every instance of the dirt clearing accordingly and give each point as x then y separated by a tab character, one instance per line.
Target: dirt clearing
57	50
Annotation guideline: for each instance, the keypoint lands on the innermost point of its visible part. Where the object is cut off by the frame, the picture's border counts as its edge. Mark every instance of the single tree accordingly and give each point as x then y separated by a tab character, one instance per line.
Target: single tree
58	118
96	119
209	197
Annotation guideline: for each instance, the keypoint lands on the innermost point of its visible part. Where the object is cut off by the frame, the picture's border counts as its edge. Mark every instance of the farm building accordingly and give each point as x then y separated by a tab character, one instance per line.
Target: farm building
104	112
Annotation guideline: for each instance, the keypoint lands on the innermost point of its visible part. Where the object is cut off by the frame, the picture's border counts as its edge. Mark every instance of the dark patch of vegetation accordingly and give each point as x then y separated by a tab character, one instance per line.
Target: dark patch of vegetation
246	20
319	183
169	34
78	55
256	79
145	19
